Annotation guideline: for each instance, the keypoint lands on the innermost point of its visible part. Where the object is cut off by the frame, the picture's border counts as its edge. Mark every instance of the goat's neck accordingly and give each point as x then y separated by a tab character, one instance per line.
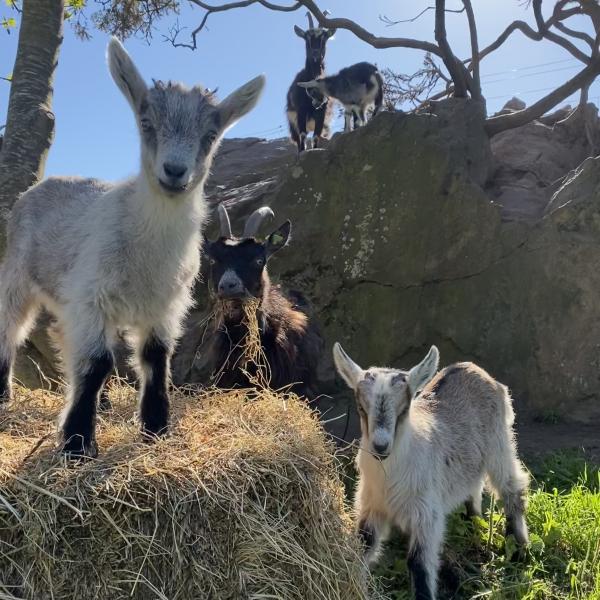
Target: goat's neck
314	69
412	430
156	213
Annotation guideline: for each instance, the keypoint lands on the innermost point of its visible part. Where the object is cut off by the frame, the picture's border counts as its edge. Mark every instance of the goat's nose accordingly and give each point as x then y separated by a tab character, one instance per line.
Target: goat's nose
230	288
174	170
380	449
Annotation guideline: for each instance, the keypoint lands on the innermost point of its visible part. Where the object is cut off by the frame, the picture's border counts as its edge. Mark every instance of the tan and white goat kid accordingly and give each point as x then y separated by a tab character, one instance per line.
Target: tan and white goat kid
428	442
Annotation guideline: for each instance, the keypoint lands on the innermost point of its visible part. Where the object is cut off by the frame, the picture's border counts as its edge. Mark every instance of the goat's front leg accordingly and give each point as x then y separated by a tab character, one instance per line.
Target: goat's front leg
348	115
319	125
361	115
302	130
89	366
426	536
155	358
373	530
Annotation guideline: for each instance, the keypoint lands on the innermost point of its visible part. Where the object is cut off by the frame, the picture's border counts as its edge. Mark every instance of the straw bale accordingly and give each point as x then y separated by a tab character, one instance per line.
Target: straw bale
242	500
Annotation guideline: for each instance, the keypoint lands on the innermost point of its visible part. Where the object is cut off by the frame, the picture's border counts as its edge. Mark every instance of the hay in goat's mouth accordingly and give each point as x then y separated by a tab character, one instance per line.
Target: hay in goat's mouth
255	366
242	500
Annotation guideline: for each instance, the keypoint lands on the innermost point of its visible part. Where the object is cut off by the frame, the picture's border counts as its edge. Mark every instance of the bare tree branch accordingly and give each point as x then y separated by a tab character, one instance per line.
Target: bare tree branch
390	22
474	66
400	88
323	20
500	123
210	9
450	61
544	31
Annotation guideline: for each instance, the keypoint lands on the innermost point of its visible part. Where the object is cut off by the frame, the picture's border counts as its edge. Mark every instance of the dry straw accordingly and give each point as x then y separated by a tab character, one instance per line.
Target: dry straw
242	500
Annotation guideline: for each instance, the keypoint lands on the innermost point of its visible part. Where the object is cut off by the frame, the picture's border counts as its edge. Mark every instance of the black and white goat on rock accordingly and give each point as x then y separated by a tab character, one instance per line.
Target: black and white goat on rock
289	338
309	110
358	88
106	258
428	443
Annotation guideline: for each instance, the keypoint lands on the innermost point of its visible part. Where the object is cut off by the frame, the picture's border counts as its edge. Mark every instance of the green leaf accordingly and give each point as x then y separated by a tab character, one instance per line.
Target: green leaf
8	23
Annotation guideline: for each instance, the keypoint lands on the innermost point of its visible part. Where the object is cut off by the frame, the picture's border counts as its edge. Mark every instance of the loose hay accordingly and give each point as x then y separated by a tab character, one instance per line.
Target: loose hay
242	501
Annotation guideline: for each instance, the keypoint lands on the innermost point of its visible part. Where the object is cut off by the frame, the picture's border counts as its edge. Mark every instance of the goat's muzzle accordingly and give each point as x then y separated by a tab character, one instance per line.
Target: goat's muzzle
381	451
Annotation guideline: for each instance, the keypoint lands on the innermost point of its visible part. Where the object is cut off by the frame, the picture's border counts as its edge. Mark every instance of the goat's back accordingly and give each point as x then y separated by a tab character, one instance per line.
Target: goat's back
465	415
465	393
48	225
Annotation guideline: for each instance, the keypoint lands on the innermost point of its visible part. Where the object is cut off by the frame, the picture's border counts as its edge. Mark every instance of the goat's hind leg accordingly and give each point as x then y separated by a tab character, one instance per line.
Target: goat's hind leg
18	311
510	481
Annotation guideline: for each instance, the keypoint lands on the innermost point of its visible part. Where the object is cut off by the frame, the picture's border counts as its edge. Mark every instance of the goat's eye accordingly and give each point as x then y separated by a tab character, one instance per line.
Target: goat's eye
211	261
146	125
259	262
209	140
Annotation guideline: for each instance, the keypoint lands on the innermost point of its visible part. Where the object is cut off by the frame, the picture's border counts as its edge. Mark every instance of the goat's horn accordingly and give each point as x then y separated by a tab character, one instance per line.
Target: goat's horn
255	219
311	24
224	221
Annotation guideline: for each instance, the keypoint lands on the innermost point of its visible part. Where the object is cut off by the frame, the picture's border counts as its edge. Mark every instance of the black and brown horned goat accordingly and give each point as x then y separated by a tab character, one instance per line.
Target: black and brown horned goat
309	110
290	340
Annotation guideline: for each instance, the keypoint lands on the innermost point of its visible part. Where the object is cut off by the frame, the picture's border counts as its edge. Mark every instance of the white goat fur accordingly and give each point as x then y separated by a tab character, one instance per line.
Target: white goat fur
443	435
106	257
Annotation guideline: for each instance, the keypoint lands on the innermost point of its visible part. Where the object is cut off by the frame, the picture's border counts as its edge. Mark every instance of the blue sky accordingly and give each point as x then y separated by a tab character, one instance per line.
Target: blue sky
95	131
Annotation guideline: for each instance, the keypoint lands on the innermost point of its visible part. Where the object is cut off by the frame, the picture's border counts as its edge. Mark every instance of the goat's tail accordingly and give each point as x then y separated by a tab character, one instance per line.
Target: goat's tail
379	96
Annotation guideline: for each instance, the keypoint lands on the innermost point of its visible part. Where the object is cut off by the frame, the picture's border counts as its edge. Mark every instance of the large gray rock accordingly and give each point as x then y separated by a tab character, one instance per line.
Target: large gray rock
531	161
399	247
400	242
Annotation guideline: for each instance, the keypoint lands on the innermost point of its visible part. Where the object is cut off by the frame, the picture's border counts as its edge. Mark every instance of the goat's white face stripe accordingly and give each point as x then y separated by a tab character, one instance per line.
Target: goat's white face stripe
384	395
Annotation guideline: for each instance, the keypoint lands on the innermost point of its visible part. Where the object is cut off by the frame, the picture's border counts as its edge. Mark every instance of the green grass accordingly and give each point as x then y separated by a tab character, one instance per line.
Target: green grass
563	560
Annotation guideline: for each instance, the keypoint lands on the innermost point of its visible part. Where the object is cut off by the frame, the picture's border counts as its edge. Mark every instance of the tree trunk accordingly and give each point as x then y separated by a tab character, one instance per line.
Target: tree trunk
30	121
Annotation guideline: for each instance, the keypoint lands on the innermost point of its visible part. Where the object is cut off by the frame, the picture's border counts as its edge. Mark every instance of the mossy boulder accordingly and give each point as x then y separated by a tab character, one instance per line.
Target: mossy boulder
399	247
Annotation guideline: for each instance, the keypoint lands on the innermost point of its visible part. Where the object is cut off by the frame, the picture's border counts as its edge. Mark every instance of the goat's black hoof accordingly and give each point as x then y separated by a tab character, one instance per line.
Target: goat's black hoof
5	394
154	430
515	552
76	448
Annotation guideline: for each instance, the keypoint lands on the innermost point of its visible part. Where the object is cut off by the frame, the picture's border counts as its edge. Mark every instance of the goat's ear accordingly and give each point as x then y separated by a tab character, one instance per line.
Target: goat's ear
299	32
309	84
125	74
422	373
240	102
279	238
349	371
330	32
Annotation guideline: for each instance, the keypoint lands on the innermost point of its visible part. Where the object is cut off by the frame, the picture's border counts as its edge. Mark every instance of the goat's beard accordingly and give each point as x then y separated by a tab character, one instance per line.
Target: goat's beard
232	310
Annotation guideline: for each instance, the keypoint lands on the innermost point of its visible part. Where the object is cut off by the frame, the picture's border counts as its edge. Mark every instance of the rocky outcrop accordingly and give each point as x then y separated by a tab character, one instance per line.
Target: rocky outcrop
399	247
531	162
416	230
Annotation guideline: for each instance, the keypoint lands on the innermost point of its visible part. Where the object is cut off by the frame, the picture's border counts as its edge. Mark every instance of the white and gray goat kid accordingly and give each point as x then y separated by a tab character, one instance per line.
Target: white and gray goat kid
428	443
105	258
357	87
